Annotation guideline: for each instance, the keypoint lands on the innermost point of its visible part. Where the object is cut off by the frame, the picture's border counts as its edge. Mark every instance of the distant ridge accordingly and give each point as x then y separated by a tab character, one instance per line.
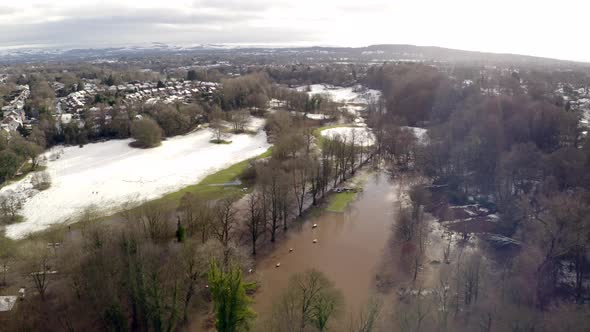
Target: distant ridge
436	52
372	53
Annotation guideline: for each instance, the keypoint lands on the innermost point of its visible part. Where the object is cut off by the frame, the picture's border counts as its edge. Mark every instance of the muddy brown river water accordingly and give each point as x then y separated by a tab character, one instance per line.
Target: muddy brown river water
349	247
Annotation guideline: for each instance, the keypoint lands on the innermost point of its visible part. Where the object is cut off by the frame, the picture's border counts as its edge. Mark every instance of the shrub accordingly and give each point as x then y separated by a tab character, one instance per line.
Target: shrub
41	181
146	133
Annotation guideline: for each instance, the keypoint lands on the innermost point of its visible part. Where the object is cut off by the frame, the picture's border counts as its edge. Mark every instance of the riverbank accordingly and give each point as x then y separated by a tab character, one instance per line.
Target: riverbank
348	249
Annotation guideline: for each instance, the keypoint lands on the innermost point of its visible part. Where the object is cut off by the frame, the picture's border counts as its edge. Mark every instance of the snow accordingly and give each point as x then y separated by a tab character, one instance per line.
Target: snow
353	109
106	175
7	302
361	134
493	217
420	133
356	94
317	116
311	116
585	117
276	103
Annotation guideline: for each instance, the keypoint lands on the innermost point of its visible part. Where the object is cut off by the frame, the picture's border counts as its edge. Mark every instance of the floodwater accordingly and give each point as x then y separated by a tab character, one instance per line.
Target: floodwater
349	248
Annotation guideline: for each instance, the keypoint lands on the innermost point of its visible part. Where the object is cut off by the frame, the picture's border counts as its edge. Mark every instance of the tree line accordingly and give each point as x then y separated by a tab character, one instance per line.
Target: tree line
518	153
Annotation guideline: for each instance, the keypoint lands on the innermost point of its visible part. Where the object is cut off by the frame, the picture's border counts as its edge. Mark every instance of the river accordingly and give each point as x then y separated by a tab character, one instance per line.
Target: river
349	249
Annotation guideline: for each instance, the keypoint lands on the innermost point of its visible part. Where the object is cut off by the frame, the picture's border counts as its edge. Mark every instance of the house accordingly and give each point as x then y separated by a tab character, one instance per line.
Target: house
19	115
10	123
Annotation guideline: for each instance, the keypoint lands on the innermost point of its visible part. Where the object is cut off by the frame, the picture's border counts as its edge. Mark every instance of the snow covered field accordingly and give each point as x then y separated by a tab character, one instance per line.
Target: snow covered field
312	116
362	135
365	135
352	109
105	175
420	133
355	95
585	118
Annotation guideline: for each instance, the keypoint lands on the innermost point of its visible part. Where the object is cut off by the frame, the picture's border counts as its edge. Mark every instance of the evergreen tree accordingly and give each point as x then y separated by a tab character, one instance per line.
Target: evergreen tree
180	232
231	303
191	75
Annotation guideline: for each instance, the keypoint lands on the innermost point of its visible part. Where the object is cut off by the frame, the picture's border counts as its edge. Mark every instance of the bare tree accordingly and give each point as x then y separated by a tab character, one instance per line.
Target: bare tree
225	215
239	120
471	277
197	214
442	298
310	299
193	269
367	317
315	177
272	181
256	221
9	205
299	175
7	256
216	124
153	217
38	267
412	316
41	181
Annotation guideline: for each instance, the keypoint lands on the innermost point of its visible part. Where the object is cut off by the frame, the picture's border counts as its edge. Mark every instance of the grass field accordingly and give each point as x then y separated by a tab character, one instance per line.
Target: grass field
338	202
318	131
171	200
210	187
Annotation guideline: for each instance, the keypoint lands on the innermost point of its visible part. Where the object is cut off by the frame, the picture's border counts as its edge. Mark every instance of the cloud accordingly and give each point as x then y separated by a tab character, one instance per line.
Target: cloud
153	16
82	28
526	26
7	10
237	5
110	23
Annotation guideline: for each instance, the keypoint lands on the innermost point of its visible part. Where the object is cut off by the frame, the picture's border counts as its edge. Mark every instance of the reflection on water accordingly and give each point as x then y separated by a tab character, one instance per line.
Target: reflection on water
349	248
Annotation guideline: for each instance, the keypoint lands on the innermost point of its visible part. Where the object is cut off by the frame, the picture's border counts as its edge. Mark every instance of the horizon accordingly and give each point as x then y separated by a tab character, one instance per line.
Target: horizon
524	28
237	46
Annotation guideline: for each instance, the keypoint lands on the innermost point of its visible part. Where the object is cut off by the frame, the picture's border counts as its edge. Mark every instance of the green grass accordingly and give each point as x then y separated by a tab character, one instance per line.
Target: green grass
10	221
207	191
338	202
266	154
25	170
214	141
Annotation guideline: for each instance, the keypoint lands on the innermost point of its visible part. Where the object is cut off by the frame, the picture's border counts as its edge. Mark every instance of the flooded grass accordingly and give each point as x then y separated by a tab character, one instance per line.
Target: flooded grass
338	202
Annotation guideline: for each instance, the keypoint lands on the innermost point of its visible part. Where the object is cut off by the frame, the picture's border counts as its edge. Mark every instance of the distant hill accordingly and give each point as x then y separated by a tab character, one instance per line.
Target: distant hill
449	55
373	53
402	52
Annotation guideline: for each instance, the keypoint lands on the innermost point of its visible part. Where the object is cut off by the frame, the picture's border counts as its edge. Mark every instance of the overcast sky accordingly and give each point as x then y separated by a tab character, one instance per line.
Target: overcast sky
548	28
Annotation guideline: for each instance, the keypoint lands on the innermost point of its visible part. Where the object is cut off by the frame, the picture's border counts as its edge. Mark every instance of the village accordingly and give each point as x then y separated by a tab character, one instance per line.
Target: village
93	96
13	114
147	93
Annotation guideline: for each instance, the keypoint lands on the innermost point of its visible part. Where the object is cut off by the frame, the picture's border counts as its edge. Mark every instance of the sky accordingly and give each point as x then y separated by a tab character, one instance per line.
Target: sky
545	28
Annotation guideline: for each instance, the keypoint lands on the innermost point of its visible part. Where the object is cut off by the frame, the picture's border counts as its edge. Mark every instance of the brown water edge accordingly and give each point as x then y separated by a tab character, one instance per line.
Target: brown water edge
349	248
